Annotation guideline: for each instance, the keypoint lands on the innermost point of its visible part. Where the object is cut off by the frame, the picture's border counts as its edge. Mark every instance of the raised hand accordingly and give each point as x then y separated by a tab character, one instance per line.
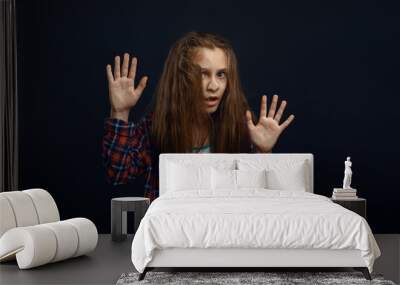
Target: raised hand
265	134
121	86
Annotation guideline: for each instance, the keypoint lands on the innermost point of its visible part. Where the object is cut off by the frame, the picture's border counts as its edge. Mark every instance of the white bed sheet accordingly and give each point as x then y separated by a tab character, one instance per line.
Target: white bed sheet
250	218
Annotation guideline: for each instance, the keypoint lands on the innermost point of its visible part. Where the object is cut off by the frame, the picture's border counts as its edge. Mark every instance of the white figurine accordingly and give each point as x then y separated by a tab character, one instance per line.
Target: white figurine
347	174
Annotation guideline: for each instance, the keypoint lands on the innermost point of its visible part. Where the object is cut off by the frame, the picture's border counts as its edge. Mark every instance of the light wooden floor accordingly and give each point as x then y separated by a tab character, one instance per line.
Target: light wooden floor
110	260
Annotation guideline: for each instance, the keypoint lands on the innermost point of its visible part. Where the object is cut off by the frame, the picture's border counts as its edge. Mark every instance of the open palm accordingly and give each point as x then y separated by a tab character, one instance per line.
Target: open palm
122	92
265	134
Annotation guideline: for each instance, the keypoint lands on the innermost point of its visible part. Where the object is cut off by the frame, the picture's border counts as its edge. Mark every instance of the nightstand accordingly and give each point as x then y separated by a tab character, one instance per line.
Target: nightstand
358	205
119	209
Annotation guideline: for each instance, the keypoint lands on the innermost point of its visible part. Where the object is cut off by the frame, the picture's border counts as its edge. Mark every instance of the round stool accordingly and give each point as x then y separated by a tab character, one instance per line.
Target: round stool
119	208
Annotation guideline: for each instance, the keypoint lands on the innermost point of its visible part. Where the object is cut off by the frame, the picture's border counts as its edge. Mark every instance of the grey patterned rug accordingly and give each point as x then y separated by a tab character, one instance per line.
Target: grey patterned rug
230	278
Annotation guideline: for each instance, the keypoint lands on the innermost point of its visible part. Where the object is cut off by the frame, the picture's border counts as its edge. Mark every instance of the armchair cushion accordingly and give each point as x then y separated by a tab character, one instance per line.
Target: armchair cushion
31	231
40	244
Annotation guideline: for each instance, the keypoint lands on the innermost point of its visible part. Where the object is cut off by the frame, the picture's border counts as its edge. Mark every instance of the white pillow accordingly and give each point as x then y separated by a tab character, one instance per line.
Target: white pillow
251	178
223	179
181	177
228	179
288	179
280	175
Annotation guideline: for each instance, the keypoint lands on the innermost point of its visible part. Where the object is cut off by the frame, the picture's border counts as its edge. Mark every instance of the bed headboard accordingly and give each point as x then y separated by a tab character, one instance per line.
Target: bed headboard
215	158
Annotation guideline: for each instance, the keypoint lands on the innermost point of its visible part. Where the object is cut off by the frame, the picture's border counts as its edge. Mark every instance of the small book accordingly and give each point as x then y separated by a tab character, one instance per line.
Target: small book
345	194
344	198
341	190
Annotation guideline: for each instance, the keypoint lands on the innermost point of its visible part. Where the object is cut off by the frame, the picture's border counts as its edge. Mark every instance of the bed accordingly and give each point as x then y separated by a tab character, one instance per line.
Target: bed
245	211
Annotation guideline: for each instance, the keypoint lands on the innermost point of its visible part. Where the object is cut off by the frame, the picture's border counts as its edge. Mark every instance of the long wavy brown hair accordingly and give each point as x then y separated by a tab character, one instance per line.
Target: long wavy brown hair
178	102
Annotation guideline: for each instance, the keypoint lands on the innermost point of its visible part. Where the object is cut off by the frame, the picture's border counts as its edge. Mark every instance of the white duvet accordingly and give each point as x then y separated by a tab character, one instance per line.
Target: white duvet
250	218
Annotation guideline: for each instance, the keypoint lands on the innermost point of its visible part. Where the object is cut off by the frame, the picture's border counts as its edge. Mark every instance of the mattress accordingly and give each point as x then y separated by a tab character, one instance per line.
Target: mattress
250	218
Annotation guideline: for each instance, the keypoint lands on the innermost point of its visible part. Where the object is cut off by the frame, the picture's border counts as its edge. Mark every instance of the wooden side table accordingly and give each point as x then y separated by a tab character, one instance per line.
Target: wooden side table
119	209
358	205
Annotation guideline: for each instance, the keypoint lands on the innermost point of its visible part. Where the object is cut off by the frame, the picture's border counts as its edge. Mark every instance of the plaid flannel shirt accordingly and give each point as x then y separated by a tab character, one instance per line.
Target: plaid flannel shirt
127	153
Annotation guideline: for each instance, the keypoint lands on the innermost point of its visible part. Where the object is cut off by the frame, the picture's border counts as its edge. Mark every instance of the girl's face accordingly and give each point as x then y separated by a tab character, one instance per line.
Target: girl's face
214	66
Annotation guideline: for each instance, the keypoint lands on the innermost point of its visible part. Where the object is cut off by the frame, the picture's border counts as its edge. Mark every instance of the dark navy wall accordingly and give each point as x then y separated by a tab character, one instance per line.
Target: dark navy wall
335	62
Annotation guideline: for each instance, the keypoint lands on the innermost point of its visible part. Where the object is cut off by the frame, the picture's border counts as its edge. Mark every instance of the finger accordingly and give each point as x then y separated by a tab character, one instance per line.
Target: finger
142	85
117	71
132	71
278	115
263	108
249	120
287	122
109	74
272	109
125	65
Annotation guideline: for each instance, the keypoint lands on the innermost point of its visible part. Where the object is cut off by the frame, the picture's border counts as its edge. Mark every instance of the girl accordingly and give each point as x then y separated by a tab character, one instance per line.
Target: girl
198	106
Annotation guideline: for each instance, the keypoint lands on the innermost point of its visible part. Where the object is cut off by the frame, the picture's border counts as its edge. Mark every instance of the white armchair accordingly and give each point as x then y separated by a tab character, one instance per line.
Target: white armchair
31	231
